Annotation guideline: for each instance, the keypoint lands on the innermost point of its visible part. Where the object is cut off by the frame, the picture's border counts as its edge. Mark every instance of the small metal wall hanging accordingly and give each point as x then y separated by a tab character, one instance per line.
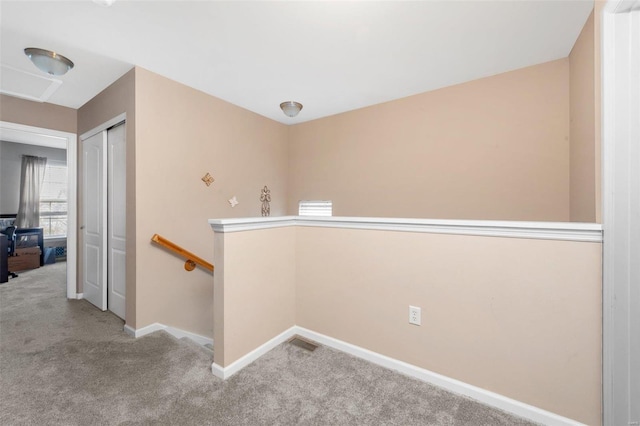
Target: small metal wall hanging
208	179
265	197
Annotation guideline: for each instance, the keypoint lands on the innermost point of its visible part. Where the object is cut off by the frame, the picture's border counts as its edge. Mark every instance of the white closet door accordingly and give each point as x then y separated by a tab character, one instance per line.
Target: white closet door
94	226
117	210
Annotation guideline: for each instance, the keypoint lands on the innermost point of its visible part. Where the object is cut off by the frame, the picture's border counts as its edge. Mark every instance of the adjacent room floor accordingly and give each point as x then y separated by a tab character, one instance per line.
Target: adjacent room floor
65	362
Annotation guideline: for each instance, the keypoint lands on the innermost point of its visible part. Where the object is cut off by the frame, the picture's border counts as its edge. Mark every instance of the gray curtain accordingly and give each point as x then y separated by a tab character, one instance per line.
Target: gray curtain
31	179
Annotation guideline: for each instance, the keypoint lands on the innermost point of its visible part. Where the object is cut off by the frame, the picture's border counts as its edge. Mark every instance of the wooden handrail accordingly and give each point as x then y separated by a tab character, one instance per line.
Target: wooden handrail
192	259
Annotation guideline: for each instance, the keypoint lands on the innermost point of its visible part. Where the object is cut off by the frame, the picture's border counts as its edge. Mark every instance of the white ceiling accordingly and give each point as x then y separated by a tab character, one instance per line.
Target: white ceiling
330	56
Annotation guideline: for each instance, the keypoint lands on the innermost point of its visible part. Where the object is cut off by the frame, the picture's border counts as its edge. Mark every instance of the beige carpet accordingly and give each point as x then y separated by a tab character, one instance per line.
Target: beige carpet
66	363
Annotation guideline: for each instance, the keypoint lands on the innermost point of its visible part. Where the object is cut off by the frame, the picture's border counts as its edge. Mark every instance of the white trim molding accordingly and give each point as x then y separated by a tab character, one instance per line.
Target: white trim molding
492	399
181	334
104	126
175	332
72	216
251	223
29	135
139	332
621	212
228	371
565	231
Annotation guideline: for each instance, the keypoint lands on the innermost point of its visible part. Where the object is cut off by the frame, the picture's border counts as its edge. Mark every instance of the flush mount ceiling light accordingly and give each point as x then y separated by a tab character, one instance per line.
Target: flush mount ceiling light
290	108
48	61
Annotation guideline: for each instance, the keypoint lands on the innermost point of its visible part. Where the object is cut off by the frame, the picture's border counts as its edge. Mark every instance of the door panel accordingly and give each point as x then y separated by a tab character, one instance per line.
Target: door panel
117	190
92	274
94	223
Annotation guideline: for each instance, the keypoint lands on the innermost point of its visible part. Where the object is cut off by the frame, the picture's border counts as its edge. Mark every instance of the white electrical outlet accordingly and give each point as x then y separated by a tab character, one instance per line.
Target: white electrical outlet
415	315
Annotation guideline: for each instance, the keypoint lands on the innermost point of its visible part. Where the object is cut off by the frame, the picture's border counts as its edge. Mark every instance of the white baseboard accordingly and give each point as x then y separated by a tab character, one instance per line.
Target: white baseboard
175	332
226	372
79	296
482	395
179	334
144	330
487	397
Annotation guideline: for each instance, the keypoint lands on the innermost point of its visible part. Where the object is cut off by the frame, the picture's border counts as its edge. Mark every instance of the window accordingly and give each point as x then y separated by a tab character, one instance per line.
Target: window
315	208
53	200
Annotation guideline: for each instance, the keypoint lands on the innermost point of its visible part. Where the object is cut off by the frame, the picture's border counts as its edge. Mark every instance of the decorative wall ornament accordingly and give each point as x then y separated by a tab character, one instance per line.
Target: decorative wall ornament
233	201
265	197
208	179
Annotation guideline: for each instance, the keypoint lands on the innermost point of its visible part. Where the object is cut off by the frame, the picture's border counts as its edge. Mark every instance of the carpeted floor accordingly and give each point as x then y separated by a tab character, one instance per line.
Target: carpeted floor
65	362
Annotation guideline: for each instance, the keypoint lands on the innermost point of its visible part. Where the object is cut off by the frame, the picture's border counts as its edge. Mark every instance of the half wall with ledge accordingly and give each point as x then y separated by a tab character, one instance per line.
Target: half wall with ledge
511	311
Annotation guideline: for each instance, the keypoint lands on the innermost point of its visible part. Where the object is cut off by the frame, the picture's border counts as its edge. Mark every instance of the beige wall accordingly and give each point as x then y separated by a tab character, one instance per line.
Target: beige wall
585	141
37	114
514	316
181	134
494	148
597	83
175	135
254	290
116	99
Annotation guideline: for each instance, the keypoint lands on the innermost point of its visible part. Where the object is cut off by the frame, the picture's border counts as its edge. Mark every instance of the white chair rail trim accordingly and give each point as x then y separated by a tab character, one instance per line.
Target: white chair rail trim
564	231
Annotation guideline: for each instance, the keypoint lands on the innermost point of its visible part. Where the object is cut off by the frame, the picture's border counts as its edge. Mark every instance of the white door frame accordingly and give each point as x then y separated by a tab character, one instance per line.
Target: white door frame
621	212
20	133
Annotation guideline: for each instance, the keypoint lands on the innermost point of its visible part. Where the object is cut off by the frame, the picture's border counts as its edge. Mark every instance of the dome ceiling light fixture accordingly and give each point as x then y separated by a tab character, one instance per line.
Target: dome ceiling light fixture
291	108
47	61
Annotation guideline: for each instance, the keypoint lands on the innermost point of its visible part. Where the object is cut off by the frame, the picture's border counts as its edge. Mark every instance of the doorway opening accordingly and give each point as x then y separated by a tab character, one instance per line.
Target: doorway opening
33	137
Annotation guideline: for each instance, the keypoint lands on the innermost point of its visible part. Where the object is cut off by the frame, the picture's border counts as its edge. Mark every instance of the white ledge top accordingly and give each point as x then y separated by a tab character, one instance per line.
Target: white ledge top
566	231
